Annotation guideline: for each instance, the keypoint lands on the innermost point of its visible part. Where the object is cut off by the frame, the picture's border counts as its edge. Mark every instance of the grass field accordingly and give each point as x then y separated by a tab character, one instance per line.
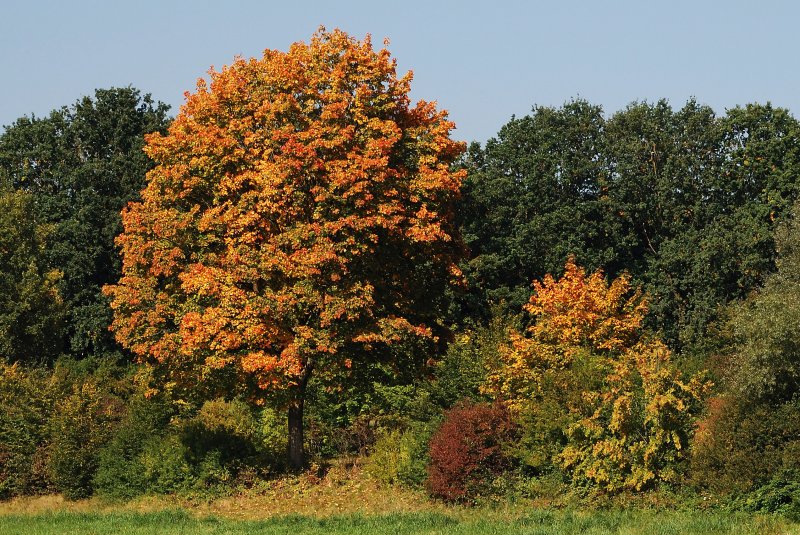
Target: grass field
539	522
346	502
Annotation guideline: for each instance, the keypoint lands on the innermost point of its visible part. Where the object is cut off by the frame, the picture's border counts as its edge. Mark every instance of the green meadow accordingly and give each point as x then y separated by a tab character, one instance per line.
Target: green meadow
541	522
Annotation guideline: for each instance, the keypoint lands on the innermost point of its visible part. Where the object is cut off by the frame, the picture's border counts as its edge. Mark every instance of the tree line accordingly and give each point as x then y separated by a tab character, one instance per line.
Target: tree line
684	201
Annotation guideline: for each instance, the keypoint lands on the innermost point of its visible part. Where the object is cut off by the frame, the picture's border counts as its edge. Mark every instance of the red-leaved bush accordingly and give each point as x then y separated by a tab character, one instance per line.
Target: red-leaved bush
466	452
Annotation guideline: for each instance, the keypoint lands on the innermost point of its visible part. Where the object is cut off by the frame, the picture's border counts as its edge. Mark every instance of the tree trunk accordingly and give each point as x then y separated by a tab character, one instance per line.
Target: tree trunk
297	456
296	451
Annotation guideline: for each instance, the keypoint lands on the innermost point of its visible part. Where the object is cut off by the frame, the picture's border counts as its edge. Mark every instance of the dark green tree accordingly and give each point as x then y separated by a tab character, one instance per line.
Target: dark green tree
661	162
534	196
745	166
82	164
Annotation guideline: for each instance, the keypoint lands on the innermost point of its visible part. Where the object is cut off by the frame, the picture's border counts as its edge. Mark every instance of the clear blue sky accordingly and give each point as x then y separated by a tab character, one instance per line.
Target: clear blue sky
483	61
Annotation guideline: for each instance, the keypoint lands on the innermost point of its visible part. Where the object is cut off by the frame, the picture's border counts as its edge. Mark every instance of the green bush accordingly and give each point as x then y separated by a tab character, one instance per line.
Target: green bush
166	468
53	422
462	370
226	436
226	429
154	453
780	495
400	456
82	423
121	471
271	437
382	408
741	445
227	440
25	404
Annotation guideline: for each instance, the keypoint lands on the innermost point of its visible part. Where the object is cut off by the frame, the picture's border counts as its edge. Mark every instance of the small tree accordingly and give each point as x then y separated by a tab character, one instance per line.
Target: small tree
599	399
299	219
766	328
751	433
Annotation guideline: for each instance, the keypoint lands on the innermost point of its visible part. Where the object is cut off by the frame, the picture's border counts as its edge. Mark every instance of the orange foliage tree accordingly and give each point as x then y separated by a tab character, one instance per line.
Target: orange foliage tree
299	218
601	399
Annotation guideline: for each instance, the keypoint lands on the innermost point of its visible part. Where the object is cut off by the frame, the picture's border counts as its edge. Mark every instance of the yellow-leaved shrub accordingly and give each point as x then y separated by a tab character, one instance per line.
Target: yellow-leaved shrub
595	395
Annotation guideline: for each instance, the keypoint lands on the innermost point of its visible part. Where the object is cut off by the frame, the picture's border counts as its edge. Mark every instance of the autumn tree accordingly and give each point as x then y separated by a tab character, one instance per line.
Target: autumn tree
597	397
298	221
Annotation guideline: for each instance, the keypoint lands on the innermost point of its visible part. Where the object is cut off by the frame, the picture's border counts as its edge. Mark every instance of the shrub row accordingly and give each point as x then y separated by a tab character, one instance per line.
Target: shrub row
84	428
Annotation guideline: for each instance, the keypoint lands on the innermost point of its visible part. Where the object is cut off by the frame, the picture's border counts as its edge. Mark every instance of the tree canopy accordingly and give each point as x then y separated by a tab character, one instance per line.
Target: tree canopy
299	218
